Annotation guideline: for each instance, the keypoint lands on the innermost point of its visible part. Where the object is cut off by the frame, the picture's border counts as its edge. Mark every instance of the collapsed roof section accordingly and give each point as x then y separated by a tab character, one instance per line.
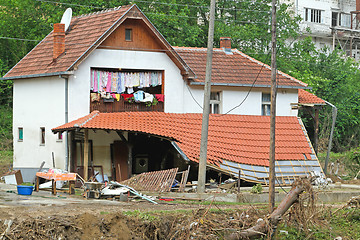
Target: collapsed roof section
236	142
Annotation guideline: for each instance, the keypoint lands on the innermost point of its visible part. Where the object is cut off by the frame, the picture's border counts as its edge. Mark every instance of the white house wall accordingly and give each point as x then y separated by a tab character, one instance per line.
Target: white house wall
38	102
233	96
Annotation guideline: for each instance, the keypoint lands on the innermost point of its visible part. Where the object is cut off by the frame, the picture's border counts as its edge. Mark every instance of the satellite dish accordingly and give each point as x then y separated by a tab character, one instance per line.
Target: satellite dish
66	18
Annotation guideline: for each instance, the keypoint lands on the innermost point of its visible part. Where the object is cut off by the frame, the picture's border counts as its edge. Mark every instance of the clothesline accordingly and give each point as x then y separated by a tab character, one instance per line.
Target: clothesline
119	82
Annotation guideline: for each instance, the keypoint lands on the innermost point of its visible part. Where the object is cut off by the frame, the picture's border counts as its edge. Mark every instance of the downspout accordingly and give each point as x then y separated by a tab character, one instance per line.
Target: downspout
334	113
66	121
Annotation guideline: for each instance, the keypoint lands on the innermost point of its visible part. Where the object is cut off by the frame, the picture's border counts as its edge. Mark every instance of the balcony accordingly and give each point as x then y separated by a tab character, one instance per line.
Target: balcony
106	106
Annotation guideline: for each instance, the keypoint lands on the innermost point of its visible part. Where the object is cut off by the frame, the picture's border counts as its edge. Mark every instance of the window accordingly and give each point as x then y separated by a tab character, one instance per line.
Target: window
313	15
128	34
335	19
345	20
265	104
21	134
59	136
42	136
215	102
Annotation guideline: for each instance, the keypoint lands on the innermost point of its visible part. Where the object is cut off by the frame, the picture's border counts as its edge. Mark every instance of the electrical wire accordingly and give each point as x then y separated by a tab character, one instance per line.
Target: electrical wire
161	3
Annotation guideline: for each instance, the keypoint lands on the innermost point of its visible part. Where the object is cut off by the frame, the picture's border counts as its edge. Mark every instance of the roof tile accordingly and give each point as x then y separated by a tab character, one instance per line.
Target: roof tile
231	137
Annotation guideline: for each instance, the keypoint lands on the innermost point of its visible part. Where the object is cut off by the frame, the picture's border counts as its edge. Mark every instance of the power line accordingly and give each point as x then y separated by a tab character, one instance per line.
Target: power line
160	3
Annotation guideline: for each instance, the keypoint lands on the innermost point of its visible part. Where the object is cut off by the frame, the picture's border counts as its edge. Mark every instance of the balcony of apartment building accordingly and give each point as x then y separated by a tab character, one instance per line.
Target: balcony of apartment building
125	90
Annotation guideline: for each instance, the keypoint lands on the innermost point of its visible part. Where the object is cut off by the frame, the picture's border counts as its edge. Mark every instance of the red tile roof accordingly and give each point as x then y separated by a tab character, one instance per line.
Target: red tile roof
236	68
93	26
238	138
308	98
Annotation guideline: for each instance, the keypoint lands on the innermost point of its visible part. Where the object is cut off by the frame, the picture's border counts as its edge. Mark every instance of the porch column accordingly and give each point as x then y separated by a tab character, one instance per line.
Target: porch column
130	160
86	154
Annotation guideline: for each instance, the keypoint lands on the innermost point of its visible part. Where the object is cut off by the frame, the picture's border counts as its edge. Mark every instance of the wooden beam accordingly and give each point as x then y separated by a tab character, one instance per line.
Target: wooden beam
86	154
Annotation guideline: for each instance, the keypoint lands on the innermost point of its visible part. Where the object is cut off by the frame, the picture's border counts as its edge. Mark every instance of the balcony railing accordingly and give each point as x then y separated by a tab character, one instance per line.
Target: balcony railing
107	106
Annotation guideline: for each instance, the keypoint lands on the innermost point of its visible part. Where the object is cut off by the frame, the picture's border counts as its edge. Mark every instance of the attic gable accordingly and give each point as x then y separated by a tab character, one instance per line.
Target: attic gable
86	33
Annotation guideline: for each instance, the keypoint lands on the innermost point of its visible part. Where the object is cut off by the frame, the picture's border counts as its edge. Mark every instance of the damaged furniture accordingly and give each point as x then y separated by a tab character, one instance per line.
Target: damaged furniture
71	177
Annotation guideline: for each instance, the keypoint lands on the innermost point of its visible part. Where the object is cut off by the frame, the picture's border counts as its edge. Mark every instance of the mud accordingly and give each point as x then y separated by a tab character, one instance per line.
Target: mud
207	222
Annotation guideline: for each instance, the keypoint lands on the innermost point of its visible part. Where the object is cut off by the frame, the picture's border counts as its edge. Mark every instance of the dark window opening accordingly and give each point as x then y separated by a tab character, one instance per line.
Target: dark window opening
42	136
128	34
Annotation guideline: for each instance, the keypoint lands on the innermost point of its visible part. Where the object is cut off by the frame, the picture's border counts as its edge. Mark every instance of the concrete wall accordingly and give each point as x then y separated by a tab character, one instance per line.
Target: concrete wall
38	103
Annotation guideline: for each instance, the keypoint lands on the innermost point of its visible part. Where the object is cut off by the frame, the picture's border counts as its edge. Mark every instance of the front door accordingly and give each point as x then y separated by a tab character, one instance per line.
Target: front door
120	160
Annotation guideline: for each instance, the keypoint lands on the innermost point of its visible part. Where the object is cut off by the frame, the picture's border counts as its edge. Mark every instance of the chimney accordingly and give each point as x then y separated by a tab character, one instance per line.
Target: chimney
225	43
59	40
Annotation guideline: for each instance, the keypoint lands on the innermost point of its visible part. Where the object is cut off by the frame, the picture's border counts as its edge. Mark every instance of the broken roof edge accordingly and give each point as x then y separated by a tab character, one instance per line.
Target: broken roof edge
247	85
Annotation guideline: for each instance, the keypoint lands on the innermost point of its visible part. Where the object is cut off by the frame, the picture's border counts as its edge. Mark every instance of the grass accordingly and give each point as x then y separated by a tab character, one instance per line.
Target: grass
6	159
345	223
349	162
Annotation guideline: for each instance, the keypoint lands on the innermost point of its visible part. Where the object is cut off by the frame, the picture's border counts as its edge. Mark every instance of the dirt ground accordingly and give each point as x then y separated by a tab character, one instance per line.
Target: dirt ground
43	216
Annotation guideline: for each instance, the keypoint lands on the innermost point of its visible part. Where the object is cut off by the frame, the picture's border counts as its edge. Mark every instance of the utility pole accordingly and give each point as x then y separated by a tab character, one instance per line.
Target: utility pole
272	110
206	108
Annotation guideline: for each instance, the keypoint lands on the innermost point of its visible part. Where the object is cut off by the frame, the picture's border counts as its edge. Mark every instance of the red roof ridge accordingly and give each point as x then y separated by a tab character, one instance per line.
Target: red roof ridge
267	66
91	116
199	48
102	11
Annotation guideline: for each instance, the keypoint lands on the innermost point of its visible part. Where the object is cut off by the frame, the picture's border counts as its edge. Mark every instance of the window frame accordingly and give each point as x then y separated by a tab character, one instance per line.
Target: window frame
215	102
42	136
20	134
59	137
130	35
314	15
265	105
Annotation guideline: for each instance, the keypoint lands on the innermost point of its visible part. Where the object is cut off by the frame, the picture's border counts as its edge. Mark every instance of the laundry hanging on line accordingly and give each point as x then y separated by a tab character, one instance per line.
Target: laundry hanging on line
118	82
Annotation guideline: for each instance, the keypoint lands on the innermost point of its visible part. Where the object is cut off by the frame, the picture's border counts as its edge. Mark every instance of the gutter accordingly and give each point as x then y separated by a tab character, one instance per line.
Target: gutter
66	73
246	85
334	113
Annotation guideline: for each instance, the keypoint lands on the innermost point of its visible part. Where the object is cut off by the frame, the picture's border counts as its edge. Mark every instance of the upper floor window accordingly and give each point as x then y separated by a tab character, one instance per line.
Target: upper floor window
42	136
215	100
345	20
335	19
313	15
21	134
265	104
128	34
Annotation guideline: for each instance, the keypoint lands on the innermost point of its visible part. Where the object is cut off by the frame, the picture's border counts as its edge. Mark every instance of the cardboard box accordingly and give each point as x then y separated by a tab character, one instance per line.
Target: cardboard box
13	177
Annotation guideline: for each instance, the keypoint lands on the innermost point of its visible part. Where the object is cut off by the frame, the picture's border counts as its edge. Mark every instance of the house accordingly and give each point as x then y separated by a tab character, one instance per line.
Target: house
121	100
334	24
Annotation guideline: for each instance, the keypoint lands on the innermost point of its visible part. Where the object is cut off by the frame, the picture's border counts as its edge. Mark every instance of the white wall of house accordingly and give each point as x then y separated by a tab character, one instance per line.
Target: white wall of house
233	96
38	102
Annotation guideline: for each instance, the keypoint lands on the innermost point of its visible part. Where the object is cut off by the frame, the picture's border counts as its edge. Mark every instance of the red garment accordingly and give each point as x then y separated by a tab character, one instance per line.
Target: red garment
160	97
127	96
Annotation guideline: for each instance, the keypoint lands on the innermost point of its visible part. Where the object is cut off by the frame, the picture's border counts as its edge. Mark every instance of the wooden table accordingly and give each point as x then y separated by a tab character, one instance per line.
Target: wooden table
71	177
